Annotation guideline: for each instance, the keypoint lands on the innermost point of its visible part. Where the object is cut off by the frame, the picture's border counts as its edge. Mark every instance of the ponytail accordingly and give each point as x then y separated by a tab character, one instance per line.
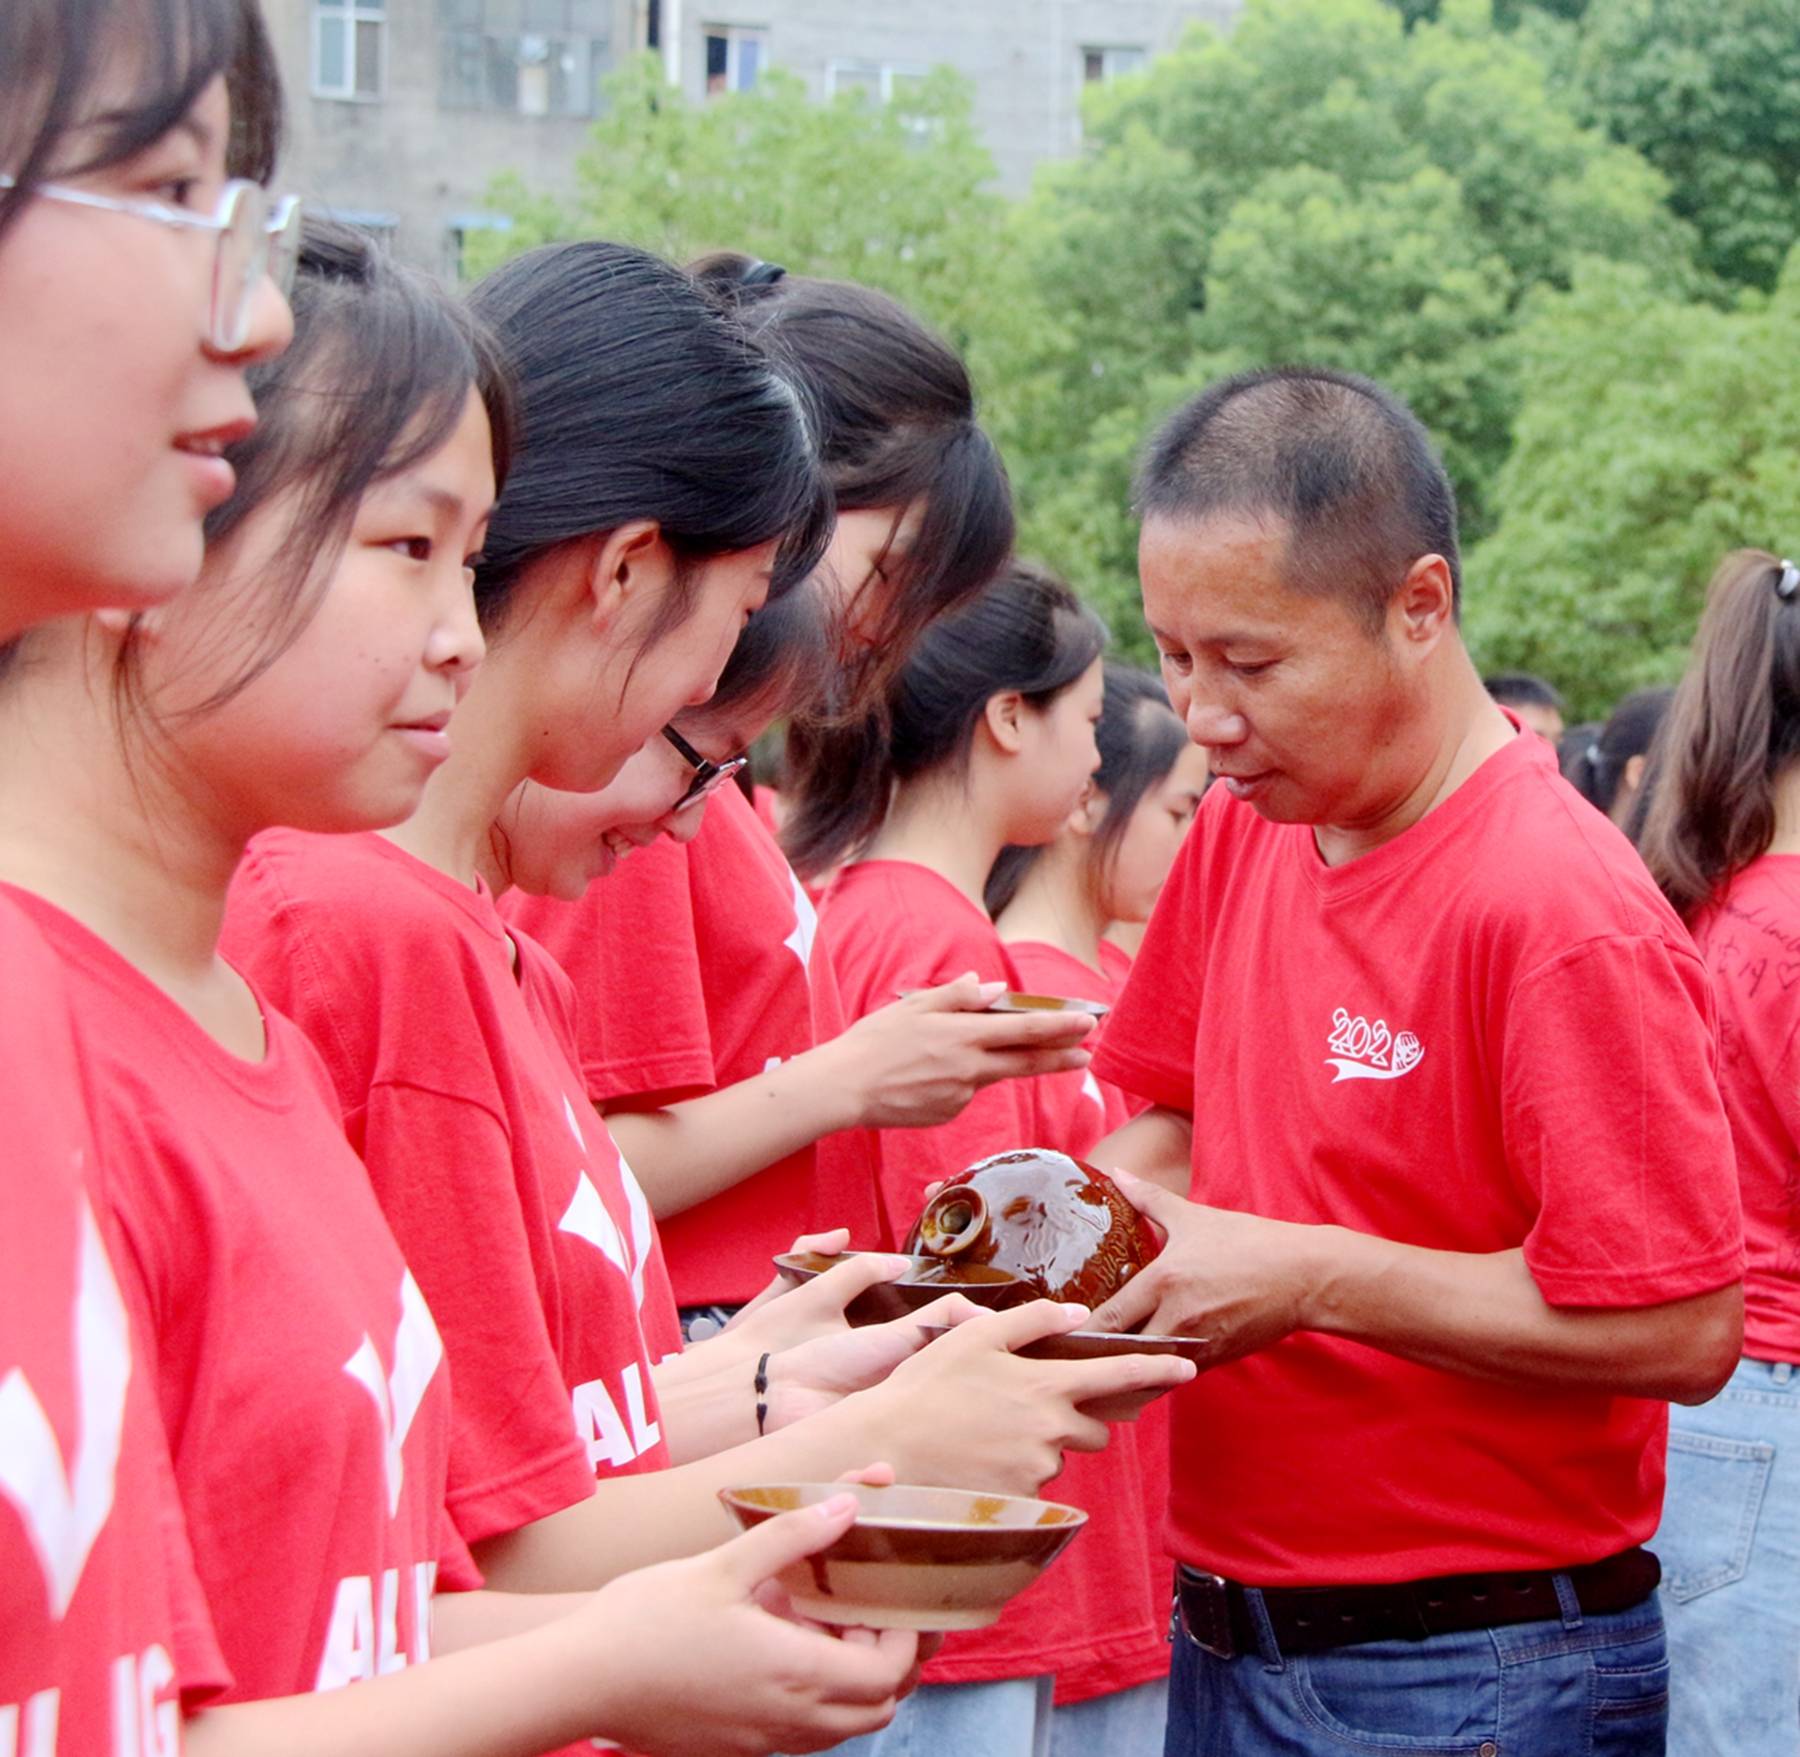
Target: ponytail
895	408
1025	631
1733	728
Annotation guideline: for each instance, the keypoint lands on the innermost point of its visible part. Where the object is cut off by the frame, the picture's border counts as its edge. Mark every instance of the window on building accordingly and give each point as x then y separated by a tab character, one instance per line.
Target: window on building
877	81
349	47
1100	65
525	57
735	57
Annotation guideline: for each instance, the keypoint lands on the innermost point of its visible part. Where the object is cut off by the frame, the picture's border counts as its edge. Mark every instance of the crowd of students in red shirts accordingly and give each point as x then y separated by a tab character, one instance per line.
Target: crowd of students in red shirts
418	1036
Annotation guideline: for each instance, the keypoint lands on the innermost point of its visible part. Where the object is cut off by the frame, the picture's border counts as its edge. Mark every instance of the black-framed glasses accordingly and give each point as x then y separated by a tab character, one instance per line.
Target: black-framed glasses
251	239
709	776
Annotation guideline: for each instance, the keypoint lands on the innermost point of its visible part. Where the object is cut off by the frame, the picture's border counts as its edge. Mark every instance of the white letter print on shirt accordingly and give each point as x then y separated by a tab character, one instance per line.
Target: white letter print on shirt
418	1350
1364	1051
617	1439
64	1511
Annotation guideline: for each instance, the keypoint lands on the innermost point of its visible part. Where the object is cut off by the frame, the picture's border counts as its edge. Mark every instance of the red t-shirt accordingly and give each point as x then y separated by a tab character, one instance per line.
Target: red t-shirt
1490	1033
530	1238
696	968
889	925
1078	1107
1751	942
1048	969
298	1372
104	1630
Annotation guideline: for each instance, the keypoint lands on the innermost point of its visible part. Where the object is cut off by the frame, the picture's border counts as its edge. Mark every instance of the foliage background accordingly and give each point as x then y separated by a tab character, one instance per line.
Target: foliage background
1563	231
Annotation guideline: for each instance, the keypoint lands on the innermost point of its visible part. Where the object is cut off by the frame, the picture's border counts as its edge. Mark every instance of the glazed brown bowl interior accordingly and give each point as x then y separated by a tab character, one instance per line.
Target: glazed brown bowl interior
1046	1003
924	1526
927	1280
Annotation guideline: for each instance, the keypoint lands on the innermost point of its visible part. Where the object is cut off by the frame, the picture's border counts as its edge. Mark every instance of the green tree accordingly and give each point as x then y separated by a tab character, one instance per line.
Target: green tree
1320	184
1654	436
897	196
1705	89
1506	12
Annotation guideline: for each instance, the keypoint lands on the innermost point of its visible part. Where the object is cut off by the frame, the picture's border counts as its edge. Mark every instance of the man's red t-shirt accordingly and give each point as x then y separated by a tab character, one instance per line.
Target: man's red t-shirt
104	1629
1750	939
529	1236
696	967
298	1373
1489	1034
889	925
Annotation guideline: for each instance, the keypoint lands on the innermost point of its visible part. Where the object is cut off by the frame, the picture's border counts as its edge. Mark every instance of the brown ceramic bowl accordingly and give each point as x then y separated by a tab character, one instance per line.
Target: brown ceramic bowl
916	1558
1105	1345
1046	1003
927	1280
1061	1225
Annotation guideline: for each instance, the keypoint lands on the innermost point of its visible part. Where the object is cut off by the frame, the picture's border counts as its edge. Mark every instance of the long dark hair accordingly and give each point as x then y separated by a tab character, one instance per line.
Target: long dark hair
1733	728
376	379
897	424
641	397
1597	763
53	54
1025	631
1139	736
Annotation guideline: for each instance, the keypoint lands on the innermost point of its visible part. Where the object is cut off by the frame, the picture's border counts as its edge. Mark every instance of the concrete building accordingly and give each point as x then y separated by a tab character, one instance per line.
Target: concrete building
404	110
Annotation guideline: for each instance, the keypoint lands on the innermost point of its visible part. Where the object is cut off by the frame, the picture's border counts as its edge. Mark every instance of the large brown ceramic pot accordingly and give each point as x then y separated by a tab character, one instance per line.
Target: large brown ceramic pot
1058	1224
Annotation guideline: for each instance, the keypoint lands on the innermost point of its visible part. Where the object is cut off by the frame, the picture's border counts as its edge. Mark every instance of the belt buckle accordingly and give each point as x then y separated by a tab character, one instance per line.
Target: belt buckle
1206	1594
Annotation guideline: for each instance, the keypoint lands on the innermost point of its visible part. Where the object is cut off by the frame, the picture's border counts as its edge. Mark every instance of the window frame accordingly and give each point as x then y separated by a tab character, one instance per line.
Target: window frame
735	36
347	16
1108	72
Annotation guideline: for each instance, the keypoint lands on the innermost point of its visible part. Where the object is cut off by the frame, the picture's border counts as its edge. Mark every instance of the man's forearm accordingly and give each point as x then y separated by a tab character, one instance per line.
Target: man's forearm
1158	1145
1483	1315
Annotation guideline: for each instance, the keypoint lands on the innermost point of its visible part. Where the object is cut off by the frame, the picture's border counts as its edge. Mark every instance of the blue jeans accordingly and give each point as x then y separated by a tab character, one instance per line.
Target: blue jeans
1576	1687
1008	1718
1128	1723
1730	1549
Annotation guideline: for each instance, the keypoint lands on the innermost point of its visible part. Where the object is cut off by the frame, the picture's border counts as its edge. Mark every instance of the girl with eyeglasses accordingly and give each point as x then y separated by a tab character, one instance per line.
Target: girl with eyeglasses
667	486
1722	839
117	380
719	1050
301	1379
984	739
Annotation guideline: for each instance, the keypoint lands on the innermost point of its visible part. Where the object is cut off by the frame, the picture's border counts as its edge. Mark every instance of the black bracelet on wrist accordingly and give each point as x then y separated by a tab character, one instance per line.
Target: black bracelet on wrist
762	1394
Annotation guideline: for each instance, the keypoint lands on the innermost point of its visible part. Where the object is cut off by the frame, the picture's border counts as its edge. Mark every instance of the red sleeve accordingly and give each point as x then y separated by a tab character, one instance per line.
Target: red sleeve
438	1160
629	946
898	938
1612	1117
1147	1048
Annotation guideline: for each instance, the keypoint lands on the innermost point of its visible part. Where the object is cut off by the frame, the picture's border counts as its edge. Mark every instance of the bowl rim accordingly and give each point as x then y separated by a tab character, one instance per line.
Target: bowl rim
1073	1517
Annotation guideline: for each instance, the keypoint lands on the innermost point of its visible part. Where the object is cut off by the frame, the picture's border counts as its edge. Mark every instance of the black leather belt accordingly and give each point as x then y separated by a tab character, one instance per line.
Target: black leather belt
1308	1619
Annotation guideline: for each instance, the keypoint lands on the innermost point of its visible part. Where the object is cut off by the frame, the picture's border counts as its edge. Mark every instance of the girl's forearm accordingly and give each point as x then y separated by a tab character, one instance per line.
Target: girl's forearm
685	1154
514	1697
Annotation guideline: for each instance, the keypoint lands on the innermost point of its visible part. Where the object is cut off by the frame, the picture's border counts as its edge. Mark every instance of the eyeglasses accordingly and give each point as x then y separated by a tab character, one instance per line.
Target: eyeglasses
709	776
250	240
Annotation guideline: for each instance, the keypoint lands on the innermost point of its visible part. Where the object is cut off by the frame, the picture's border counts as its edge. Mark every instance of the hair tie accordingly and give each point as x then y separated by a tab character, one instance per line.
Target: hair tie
1594	754
1788	583
762	274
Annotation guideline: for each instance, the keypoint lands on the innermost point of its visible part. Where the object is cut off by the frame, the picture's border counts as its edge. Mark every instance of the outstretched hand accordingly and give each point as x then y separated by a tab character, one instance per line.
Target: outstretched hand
710	1663
918	1061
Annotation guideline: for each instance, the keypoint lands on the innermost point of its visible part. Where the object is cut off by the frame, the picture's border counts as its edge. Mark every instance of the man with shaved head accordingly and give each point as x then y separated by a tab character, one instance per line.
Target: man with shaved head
1434	1135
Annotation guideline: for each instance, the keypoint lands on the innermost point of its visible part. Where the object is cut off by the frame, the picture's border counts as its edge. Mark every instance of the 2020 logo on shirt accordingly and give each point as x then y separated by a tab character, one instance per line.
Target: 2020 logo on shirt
1361	1049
